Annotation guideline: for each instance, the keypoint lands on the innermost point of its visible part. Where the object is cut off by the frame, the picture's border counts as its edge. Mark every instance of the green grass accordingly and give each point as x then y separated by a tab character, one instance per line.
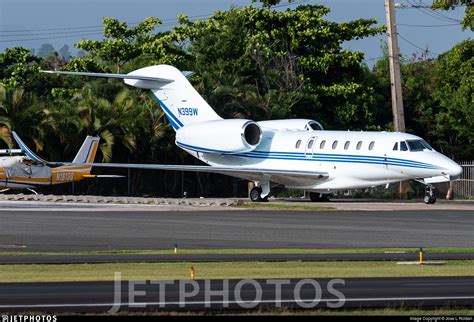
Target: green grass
245	251
282	206
220	270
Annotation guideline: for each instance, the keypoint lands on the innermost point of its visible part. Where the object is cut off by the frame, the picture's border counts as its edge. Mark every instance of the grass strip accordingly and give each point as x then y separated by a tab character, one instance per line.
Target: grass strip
282	206
223	270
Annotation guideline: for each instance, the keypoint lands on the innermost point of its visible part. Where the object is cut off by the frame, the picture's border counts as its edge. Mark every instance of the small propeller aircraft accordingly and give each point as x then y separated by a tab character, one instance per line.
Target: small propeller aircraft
23	169
296	153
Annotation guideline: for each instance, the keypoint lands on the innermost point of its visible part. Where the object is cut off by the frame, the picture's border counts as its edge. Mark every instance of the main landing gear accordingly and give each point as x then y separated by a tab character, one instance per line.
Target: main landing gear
256	195
430	196
318	197
260	192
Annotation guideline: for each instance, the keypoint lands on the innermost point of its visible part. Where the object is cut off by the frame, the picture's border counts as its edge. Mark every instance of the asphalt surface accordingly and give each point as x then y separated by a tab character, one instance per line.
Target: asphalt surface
166	258
92	230
191	295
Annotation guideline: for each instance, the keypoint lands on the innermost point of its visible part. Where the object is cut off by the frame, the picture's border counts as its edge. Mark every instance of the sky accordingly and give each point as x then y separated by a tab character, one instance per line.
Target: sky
31	23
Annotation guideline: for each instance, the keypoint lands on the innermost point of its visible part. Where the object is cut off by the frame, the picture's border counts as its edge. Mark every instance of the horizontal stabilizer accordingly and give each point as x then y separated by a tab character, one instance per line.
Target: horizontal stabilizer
188	73
102	176
132	79
110	75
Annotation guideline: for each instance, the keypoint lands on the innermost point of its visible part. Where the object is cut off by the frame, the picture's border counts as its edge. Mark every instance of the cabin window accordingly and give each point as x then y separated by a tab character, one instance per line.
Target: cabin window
323	143
403	146
395	147
334	145
310	144
371	145
359	145
298	143
346	146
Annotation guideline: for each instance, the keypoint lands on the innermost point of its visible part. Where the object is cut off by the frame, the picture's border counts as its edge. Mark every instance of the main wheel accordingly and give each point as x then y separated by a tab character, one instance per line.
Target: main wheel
315	196
325	198
255	194
427	199
318	197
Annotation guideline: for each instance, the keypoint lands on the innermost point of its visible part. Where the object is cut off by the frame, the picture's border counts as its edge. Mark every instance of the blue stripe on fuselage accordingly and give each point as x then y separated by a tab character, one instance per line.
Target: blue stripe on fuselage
317	157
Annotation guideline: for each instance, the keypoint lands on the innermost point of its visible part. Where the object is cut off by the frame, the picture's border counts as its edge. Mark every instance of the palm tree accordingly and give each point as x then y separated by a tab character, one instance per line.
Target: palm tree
233	96
20	111
116	119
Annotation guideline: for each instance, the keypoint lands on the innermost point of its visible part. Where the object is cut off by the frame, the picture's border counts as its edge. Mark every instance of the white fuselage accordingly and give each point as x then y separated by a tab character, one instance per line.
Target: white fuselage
350	164
289	152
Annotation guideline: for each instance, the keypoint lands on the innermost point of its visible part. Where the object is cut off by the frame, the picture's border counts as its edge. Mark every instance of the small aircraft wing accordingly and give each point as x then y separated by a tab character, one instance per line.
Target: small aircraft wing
11	151
27	151
245	173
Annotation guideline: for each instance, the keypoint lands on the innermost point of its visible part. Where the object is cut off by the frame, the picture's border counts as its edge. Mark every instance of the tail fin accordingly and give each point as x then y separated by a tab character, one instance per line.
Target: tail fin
86	153
180	102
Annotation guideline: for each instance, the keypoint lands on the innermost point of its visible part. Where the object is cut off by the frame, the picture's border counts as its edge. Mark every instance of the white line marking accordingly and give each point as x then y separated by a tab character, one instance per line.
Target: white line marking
439	284
234	302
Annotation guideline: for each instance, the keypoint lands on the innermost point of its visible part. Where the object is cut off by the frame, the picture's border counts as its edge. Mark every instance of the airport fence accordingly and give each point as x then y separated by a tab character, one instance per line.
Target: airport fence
464	186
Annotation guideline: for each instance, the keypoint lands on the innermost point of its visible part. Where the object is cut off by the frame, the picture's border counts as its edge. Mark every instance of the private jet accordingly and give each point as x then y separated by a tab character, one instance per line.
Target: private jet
295	153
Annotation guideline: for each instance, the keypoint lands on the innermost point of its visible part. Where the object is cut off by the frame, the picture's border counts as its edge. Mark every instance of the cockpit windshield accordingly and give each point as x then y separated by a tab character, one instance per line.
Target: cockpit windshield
418	145
426	145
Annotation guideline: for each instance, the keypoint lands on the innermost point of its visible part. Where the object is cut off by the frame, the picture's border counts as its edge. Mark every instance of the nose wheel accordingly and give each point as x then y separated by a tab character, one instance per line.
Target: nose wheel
430	196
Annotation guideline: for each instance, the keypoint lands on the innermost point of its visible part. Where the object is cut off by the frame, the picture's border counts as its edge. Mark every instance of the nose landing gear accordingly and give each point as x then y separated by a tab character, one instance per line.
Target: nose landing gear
430	196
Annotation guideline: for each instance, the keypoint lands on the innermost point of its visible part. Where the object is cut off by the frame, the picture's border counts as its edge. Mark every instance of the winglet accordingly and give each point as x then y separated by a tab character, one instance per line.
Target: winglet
27	151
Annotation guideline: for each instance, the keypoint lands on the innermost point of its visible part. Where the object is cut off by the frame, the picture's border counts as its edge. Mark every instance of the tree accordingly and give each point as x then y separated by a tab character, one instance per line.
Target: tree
269	3
121	44
454	116
437	97
20	111
419	83
468	21
17	65
293	60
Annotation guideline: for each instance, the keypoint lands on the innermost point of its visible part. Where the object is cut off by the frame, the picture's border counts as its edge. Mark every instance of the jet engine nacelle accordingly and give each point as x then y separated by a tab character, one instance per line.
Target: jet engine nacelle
220	136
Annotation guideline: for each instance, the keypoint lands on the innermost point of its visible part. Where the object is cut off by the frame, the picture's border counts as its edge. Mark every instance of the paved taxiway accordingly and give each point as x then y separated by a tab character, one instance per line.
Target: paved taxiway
74	228
360	292
167	258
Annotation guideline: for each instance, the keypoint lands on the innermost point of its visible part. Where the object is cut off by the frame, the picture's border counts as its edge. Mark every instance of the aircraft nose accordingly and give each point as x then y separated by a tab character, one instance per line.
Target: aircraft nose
454	169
